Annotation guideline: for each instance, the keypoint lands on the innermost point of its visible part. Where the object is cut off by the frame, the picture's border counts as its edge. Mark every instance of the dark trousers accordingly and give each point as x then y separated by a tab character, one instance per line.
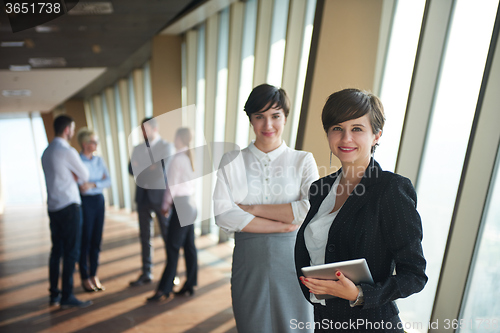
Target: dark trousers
65	232
146	232
179	237
93	223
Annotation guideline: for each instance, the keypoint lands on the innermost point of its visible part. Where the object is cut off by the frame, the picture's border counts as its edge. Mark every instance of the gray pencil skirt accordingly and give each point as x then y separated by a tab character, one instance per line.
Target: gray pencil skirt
264	287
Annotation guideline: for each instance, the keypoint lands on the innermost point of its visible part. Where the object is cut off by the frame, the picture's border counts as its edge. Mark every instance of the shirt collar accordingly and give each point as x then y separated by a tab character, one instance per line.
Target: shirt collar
84	157
272	155
155	141
61	141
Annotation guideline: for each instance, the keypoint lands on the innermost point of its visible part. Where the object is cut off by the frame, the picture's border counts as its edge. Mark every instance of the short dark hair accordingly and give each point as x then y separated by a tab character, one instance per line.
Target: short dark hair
151	122
350	104
61	122
265	97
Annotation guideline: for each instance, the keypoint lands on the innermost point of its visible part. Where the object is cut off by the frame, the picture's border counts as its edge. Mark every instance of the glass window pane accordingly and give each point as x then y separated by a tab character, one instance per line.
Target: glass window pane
222	72
397	76
22	178
447	138
301	78
278	41
246	71
481	312
148	94
482	309
108	139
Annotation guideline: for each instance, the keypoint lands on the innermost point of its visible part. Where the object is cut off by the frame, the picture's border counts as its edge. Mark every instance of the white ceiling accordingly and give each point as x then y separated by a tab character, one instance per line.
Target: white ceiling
49	87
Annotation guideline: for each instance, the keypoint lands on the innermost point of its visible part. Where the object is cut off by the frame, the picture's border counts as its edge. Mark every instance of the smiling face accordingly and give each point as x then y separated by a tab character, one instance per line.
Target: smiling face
268	127
351	141
90	145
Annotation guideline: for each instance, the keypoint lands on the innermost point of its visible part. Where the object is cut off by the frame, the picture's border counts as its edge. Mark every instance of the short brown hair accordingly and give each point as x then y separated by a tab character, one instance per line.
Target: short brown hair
265	97
350	104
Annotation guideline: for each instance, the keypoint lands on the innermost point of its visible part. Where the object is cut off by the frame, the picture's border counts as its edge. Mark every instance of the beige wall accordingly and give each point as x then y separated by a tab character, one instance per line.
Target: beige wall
166	79
76	109
48	121
345	57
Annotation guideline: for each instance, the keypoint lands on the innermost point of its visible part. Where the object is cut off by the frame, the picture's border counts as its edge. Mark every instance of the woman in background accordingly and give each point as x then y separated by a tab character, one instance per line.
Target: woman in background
358	212
93	210
261	196
178	201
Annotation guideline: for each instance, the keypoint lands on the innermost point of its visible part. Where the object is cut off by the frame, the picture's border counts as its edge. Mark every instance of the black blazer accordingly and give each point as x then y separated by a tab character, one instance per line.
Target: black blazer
378	222
150	182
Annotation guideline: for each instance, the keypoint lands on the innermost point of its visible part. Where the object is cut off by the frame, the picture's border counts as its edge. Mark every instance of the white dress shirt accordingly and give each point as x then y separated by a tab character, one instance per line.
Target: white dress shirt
316	233
180	177
60	161
252	177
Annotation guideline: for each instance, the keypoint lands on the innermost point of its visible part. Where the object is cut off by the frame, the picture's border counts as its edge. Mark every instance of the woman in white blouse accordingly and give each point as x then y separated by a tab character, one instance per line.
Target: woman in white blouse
178	201
261	197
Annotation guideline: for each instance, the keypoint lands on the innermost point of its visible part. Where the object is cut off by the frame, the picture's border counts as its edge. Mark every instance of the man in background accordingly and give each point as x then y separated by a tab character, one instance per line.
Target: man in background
63	168
150	179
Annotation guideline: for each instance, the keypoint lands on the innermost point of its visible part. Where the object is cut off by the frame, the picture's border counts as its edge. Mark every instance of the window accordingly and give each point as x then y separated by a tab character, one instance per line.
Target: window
397	76
447	138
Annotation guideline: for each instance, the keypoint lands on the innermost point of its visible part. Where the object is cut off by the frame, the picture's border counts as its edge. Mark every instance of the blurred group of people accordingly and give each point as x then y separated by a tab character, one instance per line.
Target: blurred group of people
270	198
75	183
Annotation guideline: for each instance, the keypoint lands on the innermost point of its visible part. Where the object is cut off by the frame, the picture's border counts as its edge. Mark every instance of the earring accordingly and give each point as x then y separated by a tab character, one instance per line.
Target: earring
331	158
373	157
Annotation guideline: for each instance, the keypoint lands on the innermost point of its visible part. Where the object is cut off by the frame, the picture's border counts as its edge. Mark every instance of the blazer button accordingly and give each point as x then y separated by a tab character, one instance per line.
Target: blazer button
331	248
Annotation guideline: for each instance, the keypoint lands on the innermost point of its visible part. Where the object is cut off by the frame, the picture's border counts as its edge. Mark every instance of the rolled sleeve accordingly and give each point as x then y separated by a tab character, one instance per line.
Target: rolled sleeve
233	220
300	209
230	189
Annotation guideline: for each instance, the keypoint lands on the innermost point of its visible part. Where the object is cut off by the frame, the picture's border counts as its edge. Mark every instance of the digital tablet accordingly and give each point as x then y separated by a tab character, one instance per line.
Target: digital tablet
355	270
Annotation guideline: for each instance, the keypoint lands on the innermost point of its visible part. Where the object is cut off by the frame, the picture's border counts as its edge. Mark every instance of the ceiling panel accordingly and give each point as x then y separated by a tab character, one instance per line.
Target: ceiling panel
93	42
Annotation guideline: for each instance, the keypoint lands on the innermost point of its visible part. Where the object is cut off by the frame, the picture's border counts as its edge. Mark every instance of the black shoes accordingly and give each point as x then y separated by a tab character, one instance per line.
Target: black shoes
73	302
143	279
185	291
54	300
159	296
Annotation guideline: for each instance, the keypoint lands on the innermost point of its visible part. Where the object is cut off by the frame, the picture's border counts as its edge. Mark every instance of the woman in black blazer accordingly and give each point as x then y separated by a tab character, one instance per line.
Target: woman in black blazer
360	211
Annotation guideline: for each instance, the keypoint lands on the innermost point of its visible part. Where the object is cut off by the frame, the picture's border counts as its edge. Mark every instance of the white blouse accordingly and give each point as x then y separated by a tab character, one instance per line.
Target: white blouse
316	232
252	177
181	178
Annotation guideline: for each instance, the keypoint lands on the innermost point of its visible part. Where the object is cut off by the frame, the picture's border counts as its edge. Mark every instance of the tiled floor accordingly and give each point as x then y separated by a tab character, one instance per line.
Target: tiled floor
24	250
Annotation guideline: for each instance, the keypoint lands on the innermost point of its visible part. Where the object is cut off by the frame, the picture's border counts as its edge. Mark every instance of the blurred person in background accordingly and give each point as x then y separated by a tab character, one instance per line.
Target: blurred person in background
179	200
93	210
150	179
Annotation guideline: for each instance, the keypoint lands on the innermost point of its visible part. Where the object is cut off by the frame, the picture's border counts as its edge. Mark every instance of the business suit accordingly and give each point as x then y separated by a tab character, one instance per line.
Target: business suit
378	222
150	189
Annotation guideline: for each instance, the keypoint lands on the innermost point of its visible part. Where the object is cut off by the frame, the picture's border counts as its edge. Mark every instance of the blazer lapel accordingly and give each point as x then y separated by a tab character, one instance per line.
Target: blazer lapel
357	199
318	192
